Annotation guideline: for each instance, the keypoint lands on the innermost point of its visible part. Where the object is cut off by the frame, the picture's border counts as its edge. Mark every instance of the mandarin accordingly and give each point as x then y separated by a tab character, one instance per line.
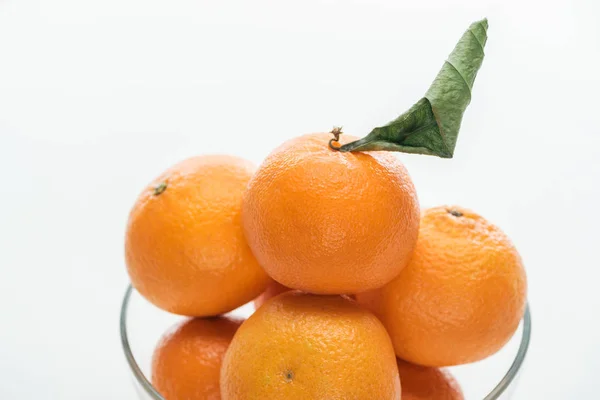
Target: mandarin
462	295
304	346
187	360
427	383
185	248
328	222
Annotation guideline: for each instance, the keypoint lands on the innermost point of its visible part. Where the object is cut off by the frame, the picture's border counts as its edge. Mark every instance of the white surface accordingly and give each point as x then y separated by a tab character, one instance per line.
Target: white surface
96	98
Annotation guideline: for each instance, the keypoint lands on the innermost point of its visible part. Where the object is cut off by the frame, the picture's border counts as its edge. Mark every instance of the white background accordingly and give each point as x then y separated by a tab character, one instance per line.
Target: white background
98	97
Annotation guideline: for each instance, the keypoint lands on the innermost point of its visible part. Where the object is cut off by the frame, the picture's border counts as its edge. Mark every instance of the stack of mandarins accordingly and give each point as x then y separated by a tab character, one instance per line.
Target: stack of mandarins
359	294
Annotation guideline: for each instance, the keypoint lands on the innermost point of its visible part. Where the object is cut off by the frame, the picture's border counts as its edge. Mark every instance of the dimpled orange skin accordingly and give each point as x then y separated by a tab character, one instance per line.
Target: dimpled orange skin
185	248
273	289
187	360
427	383
461	297
328	222
303	346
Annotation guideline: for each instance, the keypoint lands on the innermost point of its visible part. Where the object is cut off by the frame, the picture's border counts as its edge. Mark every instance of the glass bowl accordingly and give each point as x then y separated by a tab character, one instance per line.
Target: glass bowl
142	325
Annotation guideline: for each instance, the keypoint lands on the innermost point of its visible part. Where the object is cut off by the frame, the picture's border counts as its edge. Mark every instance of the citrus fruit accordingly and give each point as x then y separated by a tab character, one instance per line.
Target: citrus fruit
427	383
185	248
462	295
304	346
329	222
187	360
273	289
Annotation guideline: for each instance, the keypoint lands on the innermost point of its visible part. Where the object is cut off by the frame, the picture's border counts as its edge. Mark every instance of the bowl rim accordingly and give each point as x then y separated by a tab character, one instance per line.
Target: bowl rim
495	394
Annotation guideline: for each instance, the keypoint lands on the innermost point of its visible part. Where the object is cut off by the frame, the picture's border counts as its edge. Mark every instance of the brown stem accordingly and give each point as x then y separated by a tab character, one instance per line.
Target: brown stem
161	187
336	132
454	212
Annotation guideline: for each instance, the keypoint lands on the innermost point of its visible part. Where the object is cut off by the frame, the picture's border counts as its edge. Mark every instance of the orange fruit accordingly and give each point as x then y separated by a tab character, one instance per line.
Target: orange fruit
185	248
187	360
461	297
427	383
303	346
273	289
328	222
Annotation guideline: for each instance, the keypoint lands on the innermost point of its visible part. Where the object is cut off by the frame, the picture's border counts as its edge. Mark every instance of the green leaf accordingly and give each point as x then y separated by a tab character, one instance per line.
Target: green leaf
431	125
